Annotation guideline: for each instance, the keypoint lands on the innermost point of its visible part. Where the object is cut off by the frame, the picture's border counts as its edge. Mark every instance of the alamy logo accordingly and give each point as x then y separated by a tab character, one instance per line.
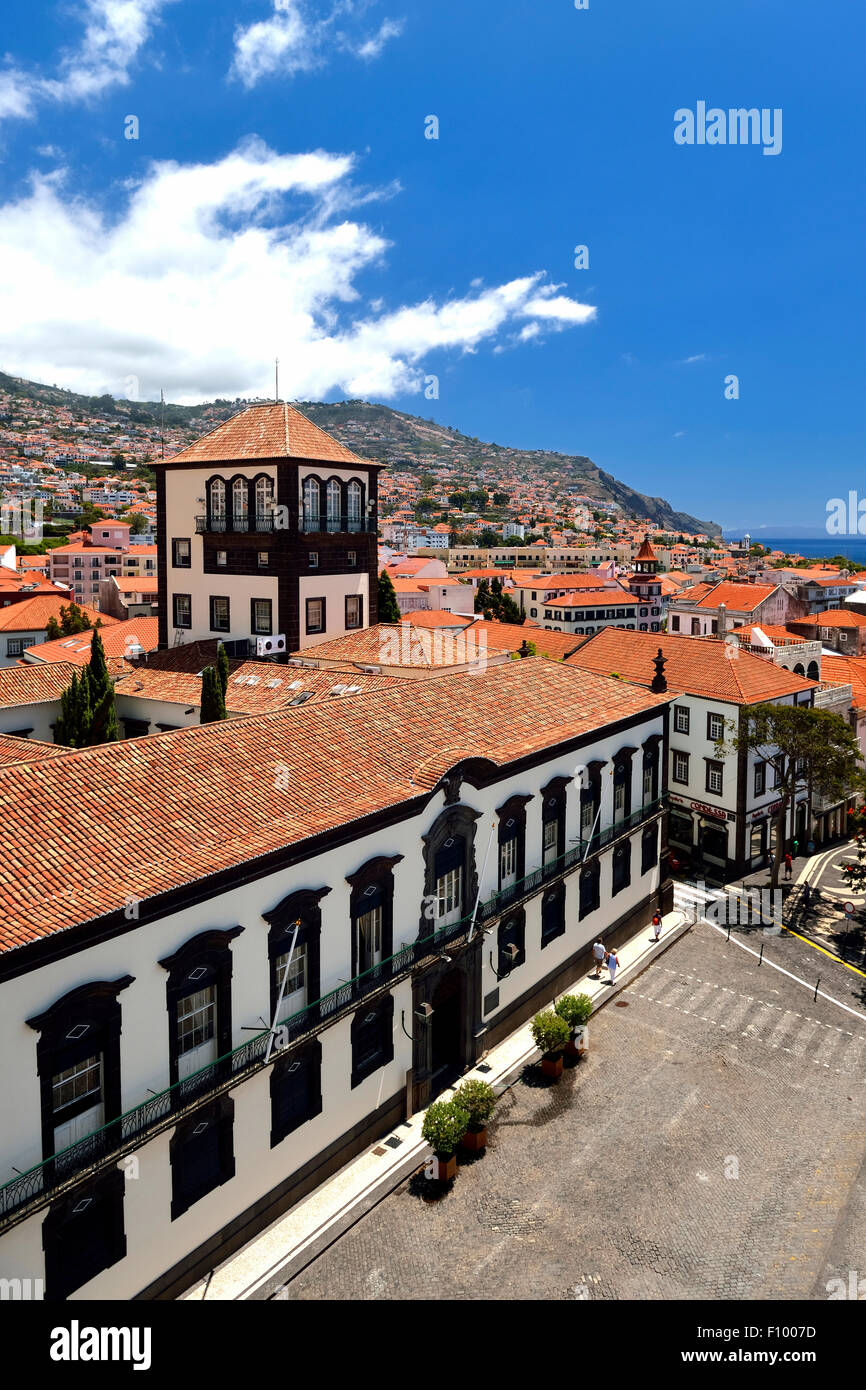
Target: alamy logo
846	517
853	1287
736	126
77	1343
422	647
24	1290
22	517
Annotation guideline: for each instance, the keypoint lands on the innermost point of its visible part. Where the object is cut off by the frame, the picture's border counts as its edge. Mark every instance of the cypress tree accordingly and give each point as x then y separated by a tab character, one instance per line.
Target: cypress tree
73	726
389	608
222	667
213	705
100	688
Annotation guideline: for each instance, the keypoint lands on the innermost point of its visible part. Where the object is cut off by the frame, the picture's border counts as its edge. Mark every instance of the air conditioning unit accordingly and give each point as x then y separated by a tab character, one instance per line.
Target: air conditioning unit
269	646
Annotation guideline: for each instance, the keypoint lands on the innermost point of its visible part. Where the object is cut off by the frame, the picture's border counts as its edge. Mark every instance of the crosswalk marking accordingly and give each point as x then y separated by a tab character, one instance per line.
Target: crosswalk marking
759	1021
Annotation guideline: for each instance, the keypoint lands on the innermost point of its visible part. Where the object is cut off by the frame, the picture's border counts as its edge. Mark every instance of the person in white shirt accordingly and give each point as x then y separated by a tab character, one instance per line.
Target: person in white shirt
598	957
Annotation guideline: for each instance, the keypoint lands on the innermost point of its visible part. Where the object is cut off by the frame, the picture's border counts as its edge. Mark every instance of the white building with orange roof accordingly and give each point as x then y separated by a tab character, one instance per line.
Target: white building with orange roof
392	893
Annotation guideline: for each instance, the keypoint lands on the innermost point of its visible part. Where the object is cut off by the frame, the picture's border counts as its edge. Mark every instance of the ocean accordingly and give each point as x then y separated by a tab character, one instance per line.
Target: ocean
852	547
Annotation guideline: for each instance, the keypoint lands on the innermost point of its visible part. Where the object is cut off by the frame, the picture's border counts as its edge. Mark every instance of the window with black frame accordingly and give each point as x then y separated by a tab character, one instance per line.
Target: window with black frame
201	1154
553	914
621	867
649	848
296	1090
372	1037
590	879
511	941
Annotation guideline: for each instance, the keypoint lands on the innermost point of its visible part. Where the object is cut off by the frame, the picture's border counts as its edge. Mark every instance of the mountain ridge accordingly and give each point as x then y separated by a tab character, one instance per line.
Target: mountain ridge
392	437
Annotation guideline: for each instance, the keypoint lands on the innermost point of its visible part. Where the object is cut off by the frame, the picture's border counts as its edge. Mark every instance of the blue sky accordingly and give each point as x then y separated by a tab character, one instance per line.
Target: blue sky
281	199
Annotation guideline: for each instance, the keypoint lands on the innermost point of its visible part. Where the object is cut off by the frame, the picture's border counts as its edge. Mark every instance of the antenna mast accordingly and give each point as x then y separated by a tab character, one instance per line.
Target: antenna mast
277	380
162	421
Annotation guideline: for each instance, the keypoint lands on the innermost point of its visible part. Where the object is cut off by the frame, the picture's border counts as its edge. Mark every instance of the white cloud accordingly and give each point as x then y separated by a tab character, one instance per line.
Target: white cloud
115	32
372	47
678	434
687	361
293	40
212	270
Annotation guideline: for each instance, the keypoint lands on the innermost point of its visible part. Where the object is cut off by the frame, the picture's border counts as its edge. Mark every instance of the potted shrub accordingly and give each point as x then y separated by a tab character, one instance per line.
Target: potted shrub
576	1010
444	1126
478	1099
551	1033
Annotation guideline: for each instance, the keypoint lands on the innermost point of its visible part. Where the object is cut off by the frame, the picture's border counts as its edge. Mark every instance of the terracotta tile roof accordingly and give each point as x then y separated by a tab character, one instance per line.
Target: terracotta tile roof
695	665
846	670
562	581
32	614
741	598
254	687
24	751
189	656
601	599
439	617
137	584
33	685
646	551
145	816
117	639
264	432
392	645
835	617
511	636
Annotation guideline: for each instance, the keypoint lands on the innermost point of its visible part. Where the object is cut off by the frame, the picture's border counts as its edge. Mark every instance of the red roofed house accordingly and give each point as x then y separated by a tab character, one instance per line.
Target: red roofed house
708	610
25	623
721	803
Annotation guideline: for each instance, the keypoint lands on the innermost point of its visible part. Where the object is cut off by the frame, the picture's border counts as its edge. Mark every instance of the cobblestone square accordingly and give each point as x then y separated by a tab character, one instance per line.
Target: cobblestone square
711	1146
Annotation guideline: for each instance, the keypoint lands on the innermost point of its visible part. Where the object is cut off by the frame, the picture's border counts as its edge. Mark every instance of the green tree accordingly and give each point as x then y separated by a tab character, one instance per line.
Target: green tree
213	705
103	714
389	609
73	723
87	709
137	523
810	749
222	667
501	499
72	621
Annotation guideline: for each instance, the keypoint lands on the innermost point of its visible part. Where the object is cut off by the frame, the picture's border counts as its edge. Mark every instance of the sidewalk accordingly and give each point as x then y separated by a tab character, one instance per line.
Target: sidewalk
295	1239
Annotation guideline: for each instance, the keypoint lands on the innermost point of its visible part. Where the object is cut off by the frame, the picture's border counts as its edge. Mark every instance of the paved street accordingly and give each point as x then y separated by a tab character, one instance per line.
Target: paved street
711	1146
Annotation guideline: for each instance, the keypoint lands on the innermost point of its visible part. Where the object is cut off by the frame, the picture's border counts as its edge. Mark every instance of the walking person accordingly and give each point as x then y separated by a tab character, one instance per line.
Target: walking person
598	955
795	847
789	865
657	925
612	963
807	896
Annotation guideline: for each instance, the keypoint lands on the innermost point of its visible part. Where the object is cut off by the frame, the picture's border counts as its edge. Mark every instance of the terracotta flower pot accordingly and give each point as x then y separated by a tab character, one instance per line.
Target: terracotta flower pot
552	1064
475	1138
446	1166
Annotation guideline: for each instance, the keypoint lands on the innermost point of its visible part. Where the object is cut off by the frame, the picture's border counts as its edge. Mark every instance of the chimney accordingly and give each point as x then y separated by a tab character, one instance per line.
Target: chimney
723	619
659	685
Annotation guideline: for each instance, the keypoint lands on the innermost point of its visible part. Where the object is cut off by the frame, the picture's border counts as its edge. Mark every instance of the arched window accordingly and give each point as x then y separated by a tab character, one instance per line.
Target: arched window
354	506
217	504
240	504
311	504
799	670
812	671
264	503
335	504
